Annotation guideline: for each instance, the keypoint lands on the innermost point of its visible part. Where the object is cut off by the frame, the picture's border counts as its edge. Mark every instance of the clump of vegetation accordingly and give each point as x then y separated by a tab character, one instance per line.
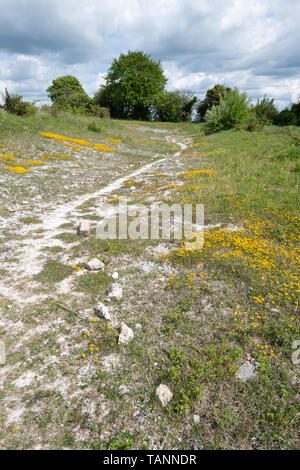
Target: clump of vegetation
291	153
92	126
54	271
174	106
286	118
212	98
14	104
265	110
233	109
133	81
67	94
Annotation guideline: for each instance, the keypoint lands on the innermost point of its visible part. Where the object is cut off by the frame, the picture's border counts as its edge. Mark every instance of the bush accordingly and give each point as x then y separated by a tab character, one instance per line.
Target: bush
286	118
212	98
233	109
295	108
14	104
174	106
251	123
265	110
93	127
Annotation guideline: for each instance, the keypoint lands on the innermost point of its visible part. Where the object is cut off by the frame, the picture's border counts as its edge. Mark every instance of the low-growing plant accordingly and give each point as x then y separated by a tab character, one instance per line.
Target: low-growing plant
291	153
92	126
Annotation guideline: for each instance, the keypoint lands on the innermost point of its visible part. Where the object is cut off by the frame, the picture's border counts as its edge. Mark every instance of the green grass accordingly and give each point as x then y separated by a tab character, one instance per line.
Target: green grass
53	271
196	312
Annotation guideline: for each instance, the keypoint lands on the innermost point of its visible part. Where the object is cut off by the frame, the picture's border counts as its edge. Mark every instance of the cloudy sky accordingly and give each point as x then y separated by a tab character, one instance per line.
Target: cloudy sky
252	44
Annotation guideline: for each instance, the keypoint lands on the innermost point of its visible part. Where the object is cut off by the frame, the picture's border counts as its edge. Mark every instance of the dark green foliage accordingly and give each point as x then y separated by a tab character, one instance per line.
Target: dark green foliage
64	86
211	99
174	106
265	110
132	83
295	108
14	104
286	118
67	94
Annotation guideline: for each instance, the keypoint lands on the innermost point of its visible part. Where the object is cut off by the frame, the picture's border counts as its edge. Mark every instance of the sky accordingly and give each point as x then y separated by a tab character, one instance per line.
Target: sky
251	44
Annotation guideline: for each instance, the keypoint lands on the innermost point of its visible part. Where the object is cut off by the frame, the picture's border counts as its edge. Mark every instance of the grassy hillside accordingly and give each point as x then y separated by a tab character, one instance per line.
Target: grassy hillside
197	315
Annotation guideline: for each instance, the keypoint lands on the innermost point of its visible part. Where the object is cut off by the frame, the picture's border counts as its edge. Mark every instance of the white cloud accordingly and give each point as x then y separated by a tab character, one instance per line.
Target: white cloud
252	45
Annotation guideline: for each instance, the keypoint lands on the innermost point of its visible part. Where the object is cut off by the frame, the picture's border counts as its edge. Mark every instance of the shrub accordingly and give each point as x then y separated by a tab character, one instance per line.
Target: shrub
291	153
14	104
251	123
211	99
286	118
93	127
233	109
174	106
265	110
295	108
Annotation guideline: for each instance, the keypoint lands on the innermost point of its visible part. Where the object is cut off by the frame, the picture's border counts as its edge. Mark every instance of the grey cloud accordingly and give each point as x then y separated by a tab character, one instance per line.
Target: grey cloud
253	45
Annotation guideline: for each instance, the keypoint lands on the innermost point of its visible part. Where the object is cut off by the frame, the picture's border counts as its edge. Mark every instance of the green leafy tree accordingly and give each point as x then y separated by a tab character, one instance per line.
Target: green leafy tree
295	108
212	98
286	118
132	84
174	106
64	86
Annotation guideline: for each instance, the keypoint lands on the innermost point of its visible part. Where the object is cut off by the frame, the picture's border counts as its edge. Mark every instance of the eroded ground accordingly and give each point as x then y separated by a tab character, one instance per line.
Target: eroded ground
67	383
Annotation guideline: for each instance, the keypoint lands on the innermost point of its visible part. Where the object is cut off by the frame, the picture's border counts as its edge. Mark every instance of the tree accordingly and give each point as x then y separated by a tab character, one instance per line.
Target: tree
64	86
132	84
174	106
212	98
265	110
286	118
295	108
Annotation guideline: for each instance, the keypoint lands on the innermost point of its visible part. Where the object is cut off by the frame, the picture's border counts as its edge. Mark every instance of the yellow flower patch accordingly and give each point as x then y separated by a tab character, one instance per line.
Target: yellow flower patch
195	173
34	162
104	148
62	139
17	169
117	141
7	156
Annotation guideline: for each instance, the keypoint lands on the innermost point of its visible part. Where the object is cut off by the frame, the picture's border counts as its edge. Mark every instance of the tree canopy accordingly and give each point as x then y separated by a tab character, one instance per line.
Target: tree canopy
64	86
132	83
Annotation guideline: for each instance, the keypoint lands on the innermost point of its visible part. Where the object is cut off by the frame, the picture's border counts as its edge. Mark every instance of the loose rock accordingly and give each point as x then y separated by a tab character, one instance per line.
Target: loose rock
126	334
84	228
247	371
94	265
196	419
115	275
164	394
102	311
114	292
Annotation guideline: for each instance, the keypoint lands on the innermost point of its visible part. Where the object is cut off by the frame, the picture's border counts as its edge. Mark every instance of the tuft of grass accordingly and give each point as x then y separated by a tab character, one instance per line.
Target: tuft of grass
53	271
94	284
